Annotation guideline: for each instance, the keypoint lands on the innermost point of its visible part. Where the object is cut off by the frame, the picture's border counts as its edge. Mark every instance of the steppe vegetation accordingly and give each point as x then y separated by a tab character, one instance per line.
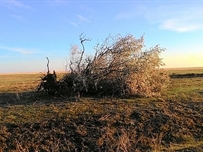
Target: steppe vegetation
31	121
120	66
125	104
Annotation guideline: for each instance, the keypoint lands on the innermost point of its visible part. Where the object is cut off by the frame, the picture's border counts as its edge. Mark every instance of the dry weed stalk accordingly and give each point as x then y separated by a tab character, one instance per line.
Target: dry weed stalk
124	142
156	142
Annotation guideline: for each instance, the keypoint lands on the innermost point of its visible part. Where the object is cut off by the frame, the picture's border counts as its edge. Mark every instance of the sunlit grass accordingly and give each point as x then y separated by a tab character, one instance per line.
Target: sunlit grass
178	101
17	83
184	70
186	88
11	83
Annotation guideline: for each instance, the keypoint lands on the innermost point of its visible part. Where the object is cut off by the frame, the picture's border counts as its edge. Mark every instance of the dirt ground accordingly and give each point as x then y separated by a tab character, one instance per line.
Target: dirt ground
156	126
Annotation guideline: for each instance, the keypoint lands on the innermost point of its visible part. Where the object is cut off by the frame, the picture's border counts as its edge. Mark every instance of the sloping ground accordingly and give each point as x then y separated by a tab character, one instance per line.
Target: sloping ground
110	126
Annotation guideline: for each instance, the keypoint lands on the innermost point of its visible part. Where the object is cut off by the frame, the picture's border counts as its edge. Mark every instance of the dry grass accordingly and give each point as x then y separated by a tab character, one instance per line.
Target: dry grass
103	125
18	83
36	122
185	70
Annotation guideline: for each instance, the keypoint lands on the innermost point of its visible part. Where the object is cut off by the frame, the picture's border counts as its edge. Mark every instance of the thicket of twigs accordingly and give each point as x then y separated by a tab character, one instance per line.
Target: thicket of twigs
119	67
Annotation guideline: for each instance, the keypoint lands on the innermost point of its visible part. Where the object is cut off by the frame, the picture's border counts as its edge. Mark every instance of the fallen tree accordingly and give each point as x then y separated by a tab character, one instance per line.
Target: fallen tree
119	67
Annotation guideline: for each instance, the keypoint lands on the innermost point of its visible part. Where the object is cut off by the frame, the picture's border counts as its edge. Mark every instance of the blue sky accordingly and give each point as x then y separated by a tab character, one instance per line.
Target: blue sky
31	30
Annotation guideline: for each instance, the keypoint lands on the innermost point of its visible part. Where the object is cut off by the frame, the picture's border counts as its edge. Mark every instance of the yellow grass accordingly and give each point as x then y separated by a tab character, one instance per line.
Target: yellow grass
185	70
20	82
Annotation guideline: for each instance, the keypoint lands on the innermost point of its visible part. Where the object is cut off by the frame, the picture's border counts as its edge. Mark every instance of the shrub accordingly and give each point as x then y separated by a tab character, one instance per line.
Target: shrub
118	67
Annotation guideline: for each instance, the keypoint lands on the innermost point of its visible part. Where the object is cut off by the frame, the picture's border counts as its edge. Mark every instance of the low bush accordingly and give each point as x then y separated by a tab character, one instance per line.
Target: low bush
119	67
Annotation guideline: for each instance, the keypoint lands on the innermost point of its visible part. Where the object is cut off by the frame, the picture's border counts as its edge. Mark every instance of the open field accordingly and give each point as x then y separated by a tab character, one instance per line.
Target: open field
32	121
185	70
17	83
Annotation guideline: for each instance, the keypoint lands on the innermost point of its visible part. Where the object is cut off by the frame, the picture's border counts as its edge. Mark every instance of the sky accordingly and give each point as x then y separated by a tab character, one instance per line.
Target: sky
31	30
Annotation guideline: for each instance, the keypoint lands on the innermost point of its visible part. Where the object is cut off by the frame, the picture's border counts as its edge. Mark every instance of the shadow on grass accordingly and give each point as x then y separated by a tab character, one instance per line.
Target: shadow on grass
29	98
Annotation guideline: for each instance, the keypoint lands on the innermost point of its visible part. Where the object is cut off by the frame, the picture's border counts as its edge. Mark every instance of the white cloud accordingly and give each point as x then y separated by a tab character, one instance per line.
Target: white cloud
74	24
14	3
5	57
173	16
184	19
83	19
18	4
19	50
180	25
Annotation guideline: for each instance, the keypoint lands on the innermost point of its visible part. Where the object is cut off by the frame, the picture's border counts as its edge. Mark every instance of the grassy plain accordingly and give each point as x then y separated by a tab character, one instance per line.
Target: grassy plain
185	70
32	121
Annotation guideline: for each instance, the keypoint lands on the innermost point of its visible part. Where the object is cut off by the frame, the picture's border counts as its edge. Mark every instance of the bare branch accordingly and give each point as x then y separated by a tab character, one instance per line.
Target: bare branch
82	40
47	65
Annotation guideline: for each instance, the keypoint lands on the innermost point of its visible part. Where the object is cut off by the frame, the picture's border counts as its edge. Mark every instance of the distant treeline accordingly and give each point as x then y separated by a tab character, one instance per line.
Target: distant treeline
187	75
